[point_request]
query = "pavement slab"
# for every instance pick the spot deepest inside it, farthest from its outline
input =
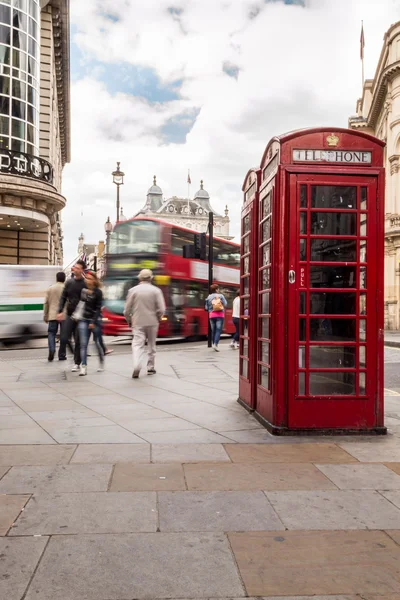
(154, 425)
(141, 566)
(288, 453)
(394, 467)
(10, 507)
(274, 476)
(195, 436)
(109, 434)
(75, 422)
(395, 535)
(341, 509)
(91, 512)
(188, 453)
(25, 435)
(379, 450)
(112, 453)
(216, 511)
(392, 496)
(129, 477)
(128, 412)
(308, 563)
(361, 476)
(3, 470)
(65, 478)
(16, 421)
(18, 560)
(346, 597)
(35, 455)
(32, 406)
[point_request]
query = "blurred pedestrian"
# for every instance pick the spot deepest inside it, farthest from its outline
(70, 298)
(215, 305)
(50, 309)
(236, 320)
(91, 299)
(143, 310)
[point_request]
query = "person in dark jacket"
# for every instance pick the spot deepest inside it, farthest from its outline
(92, 298)
(70, 297)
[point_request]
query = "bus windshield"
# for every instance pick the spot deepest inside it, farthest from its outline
(136, 237)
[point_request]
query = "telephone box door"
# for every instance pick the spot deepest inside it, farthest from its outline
(332, 320)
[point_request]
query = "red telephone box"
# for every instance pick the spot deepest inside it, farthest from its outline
(248, 300)
(318, 294)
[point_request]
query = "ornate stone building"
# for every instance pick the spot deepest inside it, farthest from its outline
(378, 113)
(34, 128)
(192, 214)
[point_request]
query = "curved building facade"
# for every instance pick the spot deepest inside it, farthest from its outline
(19, 56)
(34, 128)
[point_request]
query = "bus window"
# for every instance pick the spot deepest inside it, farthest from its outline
(179, 239)
(177, 294)
(196, 294)
(229, 293)
(137, 237)
(226, 254)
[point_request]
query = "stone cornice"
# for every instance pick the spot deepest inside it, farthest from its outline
(60, 15)
(380, 90)
(14, 185)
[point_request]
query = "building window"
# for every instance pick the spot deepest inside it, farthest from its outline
(19, 52)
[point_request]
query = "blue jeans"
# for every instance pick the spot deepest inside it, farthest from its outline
(217, 324)
(51, 335)
(84, 332)
(236, 322)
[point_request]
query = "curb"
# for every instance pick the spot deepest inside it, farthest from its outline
(390, 344)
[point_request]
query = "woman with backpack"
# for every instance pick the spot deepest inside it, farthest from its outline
(215, 305)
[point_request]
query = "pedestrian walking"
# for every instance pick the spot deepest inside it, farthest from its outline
(143, 310)
(50, 311)
(236, 321)
(215, 305)
(89, 314)
(70, 298)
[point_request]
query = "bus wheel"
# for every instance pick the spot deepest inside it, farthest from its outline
(195, 336)
(25, 335)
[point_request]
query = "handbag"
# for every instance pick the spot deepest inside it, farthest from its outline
(77, 315)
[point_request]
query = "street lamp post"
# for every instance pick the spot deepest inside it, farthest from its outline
(108, 227)
(118, 179)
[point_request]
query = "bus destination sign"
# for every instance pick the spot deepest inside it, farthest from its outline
(333, 156)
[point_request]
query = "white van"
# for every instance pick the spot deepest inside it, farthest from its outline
(22, 292)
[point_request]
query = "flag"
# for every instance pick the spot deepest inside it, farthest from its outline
(188, 179)
(362, 41)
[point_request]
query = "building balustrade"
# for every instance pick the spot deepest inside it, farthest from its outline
(25, 165)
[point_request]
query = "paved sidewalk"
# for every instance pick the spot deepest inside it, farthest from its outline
(164, 487)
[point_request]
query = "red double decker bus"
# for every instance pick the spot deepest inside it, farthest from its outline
(146, 243)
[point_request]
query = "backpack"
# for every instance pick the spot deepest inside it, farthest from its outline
(216, 304)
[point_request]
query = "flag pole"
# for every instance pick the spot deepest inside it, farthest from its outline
(362, 45)
(188, 182)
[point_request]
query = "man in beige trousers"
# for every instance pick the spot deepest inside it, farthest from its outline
(143, 310)
(50, 311)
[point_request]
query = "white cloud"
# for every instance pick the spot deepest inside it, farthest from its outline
(297, 67)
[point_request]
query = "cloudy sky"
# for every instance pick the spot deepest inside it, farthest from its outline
(169, 85)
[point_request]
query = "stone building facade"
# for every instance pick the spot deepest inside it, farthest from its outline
(34, 128)
(185, 212)
(378, 113)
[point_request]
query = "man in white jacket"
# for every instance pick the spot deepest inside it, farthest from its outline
(143, 310)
